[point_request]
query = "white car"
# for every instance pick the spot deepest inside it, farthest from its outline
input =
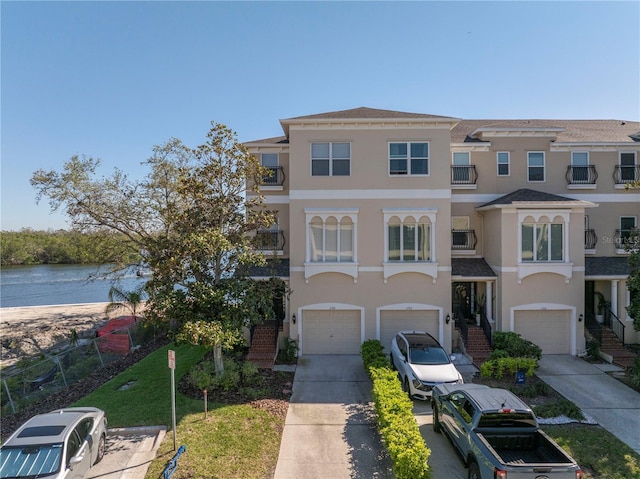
(60, 444)
(422, 363)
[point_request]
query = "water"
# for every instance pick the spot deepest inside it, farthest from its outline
(58, 284)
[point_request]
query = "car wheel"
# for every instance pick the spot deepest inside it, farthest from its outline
(102, 445)
(474, 471)
(436, 421)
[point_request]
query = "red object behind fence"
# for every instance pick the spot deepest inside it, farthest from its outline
(115, 335)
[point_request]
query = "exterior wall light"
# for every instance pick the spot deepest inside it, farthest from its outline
(580, 318)
(293, 318)
(448, 319)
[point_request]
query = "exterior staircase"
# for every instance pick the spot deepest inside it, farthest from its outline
(477, 345)
(611, 346)
(264, 349)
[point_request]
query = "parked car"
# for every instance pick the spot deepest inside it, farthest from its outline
(497, 434)
(60, 444)
(422, 363)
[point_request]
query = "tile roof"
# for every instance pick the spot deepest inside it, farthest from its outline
(606, 266)
(574, 131)
(471, 267)
(367, 113)
(527, 195)
(275, 267)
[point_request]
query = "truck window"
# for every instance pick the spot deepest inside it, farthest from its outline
(512, 419)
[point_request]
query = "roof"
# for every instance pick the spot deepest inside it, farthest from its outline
(471, 267)
(487, 398)
(275, 267)
(367, 113)
(569, 131)
(420, 338)
(525, 195)
(617, 266)
(49, 427)
(276, 140)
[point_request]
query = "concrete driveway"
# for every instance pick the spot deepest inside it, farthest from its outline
(330, 430)
(613, 405)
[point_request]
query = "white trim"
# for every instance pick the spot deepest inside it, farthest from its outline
(327, 307)
(275, 200)
(412, 307)
(387, 194)
(549, 306)
(475, 146)
(593, 145)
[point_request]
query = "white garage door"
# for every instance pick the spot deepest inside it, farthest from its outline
(331, 332)
(393, 321)
(551, 330)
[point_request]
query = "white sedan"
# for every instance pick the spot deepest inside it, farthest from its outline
(422, 363)
(60, 444)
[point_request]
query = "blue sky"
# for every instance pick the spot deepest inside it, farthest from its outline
(112, 79)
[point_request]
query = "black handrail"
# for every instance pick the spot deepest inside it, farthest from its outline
(590, 239)
(581, 175)
(270, 240)
(486, 327)
(276, 178)
(612, 321)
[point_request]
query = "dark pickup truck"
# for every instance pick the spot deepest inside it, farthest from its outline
(497, 434)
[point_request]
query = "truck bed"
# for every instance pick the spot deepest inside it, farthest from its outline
(520, 449)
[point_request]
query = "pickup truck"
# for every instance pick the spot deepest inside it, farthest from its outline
(497, 434)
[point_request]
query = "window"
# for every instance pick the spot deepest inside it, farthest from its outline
(330, 159)
(542, 242)
(627, 230)
(331, 240)
(409, 158)
(579, 167)
(409, 240)
(628, 166)
(535, 165)
(460, 171)
(460, 234)
(270, 160)
(503, 163)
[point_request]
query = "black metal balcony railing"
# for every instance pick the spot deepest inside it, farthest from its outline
(463, 239)
(581, 175)
(276, 178)
(463, 175)
(270, 240)
(590, 239)
(626, 174)
(627, 239)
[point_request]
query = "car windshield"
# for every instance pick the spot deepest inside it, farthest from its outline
(30, 461)
(421, 354)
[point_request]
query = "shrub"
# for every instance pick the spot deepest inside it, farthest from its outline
(398, 428)
(635, 373)
(497, 367)
(562, 407)
(290, 351)
(515, 345)
(203, 376)
(593, 349)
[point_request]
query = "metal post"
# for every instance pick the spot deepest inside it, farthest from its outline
(173, 406)
(13, 408)
(205, 403)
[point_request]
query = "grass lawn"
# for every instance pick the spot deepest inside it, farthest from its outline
(237, 441)
(600, 454)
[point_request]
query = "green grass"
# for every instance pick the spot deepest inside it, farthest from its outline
(600, 454)
(232, 442)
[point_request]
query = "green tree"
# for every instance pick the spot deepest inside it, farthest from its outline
(129, 300)
(633, 281)
(192, 217)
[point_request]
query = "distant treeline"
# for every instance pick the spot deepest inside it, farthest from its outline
(59, 247)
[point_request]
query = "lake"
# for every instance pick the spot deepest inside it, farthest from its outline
(41, 285)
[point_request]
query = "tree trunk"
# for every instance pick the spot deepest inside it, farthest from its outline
(217, 359)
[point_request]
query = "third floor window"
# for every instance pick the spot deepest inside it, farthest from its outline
(535, 166)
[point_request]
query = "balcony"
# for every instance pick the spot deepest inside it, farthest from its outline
(581, 176)
(464, 176)
(463, 240)
(590, 239)
(269, 240)
(626, 239)
(625, 174)
(276, 178)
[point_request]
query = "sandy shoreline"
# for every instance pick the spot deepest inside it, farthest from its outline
(27, 330)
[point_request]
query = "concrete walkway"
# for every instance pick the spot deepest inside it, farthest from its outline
(613, 405)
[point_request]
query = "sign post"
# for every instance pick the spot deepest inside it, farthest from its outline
(172, 366)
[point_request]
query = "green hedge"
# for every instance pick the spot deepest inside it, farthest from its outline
(398, 428)
(497, 367)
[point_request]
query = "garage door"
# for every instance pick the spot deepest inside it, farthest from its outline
(331, 332)
(551, 330)
(393, 321)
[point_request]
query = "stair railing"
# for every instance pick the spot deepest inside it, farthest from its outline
(612, 321)
(486, 327)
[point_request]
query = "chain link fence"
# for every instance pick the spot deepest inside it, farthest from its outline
(26, 386)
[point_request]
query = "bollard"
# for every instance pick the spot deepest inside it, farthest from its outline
(205, 403)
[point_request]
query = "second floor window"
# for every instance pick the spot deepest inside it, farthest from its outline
(331, 239)
(409, 240)
(411, 158)
(503, 163)
(542, 242)
(535, 166)
(330, 159)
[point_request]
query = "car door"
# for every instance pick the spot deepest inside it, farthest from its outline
(403, 350)
(451, 418)
(78, 454)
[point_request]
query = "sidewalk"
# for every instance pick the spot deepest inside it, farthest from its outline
(613, 405)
